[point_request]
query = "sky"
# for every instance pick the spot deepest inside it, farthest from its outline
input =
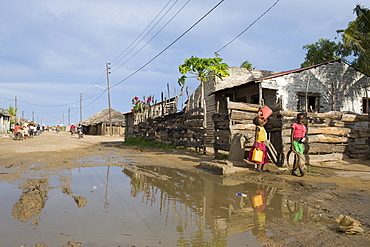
(53, 53)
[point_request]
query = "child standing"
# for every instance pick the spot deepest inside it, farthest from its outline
(260, 138)
(297, 137)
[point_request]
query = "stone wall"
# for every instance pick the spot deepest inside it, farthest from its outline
(331, 135)
(181, 129)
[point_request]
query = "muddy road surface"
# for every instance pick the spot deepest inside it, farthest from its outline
(58, 190)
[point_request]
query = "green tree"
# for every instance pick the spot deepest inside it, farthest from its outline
(13, 112)
(202, 69)
(355, 42)
(356, 37)
(322, 51)
(247, 65)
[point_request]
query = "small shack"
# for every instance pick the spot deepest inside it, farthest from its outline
(4, 121)
(100, 123)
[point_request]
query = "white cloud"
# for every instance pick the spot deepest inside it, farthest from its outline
(51, 51)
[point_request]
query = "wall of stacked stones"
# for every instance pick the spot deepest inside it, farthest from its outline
(238, 120)
(181, 129)
(331, 135)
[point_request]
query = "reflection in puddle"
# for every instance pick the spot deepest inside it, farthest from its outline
(143, 206)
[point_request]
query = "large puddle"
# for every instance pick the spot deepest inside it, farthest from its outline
(133, 205)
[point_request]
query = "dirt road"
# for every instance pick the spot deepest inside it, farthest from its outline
(333, 189)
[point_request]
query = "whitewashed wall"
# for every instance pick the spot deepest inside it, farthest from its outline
(340, 87)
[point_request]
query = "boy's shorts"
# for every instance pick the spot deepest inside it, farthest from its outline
(298, 147)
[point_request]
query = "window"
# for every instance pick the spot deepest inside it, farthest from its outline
(365, 105)
(312, 102)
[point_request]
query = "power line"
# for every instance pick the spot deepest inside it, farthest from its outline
(101, 94)
(47, 105)
(143, 66)
(153, 36)
(143, 32)
(247, 27)
(100, 80)
(173, 42)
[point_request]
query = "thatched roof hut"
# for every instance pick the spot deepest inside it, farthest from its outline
(103, 117)
(99, 124)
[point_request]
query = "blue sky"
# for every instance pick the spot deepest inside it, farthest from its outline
(51, 52)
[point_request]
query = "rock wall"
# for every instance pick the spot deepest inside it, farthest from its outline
(331, 135)
(181, 129)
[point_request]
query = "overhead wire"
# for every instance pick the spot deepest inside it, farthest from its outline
(247, 28)
(154, 35)
(171, 44)
(100, 80)
(147, 63)
(142, 31)
(6, 100)
(101, 94)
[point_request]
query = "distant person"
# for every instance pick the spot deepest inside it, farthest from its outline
(297, 139)
(31, 130)
(26, 130)
(17, 130)
(73, 129)
(80, 131)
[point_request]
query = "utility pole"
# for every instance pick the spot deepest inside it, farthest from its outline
(15, 109)
(69, 116)
(80, 107)
(109, 109)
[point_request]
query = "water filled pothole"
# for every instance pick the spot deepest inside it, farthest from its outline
(122, 205)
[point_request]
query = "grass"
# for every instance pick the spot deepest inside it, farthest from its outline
(140, 142)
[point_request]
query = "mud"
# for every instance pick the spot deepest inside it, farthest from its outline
(328, 189)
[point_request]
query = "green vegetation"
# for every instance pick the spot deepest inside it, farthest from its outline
(140, 142)
(13, 112)
(322, 51)
(202, 68)
(247, 65)
(355, 44)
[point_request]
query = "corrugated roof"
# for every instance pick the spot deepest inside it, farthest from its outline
(280, 74)
(296, 70)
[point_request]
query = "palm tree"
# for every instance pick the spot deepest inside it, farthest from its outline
(247, 65)
(13, 112)
(357, 38)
